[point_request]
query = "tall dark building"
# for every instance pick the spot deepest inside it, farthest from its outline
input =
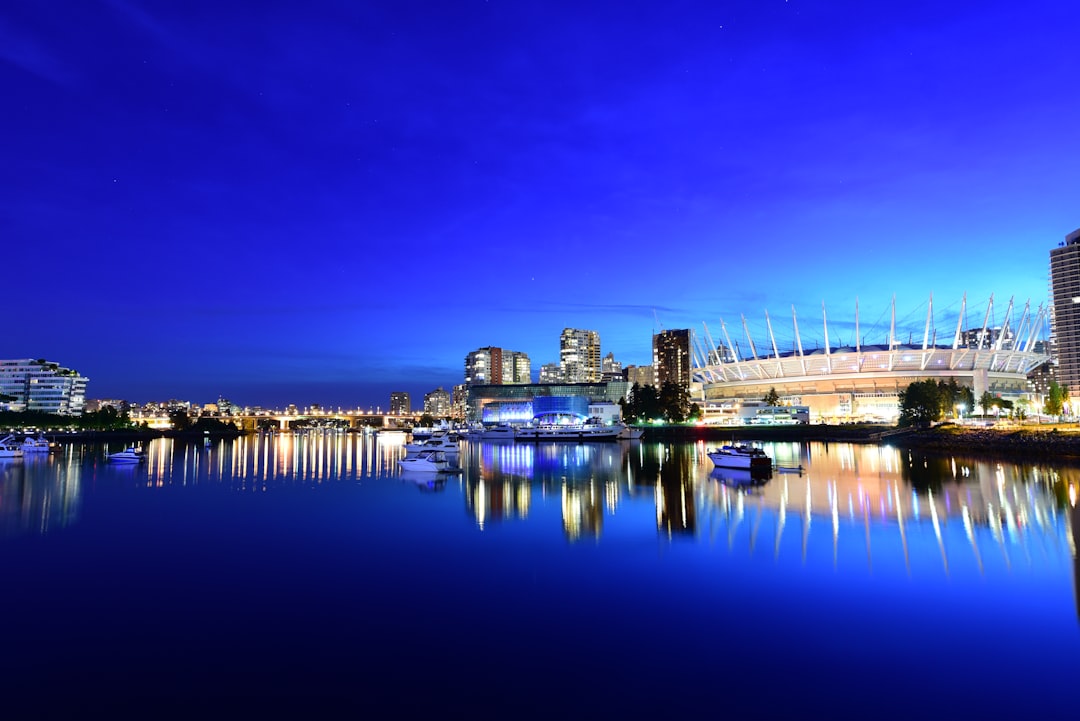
(1065, 320)
(400, 403)
(671, 357)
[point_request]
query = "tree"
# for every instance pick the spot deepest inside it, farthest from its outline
(179, 419)
(920, 403)
(674, 402)
(772, 398)
(986, 400)
(1055, 399)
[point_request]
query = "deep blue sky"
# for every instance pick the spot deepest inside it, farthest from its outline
(326, 201)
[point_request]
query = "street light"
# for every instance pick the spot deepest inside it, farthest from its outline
(960, 410)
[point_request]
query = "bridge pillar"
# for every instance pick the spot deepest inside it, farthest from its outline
(283, 423)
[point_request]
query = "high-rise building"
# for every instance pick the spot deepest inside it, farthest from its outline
(579, 356)
(437, 403)
(495, 366)
(550, 373)
(1065, 313)
(671, 357)
(42, 386)
(400, 403)
(459, 402)
(611, 369)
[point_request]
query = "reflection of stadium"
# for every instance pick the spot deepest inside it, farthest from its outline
(843, 378)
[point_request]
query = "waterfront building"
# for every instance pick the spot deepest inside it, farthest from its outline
(579, 356)
(550, 373)
(41, 386)
(400, 403)
(514, 403)
(495, 366)
(857, 381)
(671, 357)
(437, 403)
(1065, 313)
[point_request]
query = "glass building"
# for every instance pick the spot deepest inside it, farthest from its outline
(516, 403)
(41, 386)
(1065, 318)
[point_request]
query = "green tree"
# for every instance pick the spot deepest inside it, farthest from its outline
(1055, 399)
(629, 405)
(986, 401)
(920, 403)
(772, 398)
(674, 402)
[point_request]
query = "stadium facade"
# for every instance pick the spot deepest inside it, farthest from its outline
(862, 382)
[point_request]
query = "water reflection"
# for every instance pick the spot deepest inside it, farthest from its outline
(873, 499)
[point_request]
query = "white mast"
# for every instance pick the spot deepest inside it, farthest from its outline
(825, 325)
(753, 350)
(798, 340)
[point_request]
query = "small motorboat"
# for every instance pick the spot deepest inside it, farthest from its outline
(429, 461)
(131, 454)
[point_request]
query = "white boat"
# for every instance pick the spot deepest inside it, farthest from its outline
(428, 461)
(9, 448)
(740, 456)
(500, 432)
(131, 454)
(438, 442)
(36, 444)
(588, 431)
(629, 433)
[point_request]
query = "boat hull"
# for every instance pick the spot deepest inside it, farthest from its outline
(748, 459)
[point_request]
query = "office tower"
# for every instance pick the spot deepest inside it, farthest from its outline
(437, 403)
(400, 403)
(1065, 317)
(42, 386)
(642, 375)
(579, 356)
(495, 366)
(671, 357)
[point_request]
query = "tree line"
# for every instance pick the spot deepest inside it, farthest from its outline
(929, 401)
(669, 403)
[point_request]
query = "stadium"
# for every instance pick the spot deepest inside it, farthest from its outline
(856, 381)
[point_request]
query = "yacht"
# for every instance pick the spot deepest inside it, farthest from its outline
(36, 444)
(587, 431)
(437, 442)
(629, 433)
(131, 454)
(501, 432)
(740, 456)
(9, 448)
(428, 461)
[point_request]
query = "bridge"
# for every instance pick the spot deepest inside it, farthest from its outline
(285, 419)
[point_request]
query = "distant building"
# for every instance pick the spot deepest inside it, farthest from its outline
(41, 386)
(459, 402)
(496, 366)
(610, 369)
(550, 373)
(642, 375)
(1065, 312)
(437, 403)
(579, 356)
(671, 357)
(400, 404)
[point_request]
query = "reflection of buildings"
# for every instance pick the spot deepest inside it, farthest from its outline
(39, 494)
(872, 497)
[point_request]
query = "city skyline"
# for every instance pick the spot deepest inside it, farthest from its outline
(331, 204)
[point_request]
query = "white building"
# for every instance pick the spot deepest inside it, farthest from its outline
(41, 386)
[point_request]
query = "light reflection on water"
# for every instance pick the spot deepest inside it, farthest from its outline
(962, 509)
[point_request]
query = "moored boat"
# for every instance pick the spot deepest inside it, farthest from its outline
(588, 431)
(428, 461)
(500, 432)
(9, 448)
(740, 456)
(131, 454)
(36, 444)
(437, 442)
(629, 433)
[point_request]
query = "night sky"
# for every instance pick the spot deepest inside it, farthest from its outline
(322, 202)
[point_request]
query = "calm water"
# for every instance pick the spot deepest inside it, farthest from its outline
(569, 580)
